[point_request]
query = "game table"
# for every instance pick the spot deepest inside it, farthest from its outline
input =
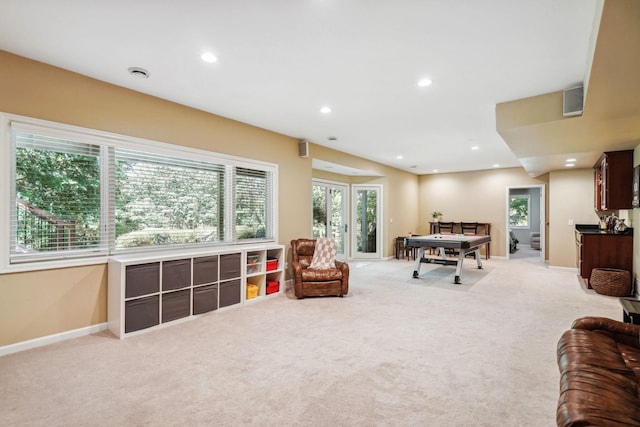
(463, 243)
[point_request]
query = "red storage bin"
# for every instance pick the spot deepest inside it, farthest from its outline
(272, 264)
(272, 286)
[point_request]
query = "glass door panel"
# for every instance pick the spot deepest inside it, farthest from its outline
(330, 213)
(366, 221)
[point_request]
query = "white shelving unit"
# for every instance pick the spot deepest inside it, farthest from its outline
(148, 291)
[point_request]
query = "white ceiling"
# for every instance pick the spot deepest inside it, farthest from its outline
(280, 61)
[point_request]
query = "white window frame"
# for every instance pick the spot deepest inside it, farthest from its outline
(7, 180)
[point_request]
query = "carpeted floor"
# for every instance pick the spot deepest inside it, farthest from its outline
(396, 351)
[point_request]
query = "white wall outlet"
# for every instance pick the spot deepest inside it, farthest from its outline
(570, 222)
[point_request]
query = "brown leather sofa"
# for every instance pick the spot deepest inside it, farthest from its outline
(308, 282)
(599, 362)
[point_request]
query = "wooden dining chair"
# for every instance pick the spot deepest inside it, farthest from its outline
(469, 227)
(445, 227)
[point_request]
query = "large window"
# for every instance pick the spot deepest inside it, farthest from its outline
(76, 193)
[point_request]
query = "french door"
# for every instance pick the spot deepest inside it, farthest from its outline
(367, 224)
(330, 213)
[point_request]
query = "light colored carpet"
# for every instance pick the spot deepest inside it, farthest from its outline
(525, 252)
(396, 351)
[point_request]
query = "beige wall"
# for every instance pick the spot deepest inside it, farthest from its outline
(47, 302)
(570, 198)
(472, 196)
(37, 304)
(41, 303)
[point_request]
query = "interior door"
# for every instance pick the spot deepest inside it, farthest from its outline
(537, 215)
(330, 213)
(367, 230)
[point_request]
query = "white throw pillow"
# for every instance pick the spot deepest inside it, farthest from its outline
(324, 256)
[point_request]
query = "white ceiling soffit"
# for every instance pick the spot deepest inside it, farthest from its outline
(279, 62)
(340, 169)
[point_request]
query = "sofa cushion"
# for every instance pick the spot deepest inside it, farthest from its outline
(324, 256)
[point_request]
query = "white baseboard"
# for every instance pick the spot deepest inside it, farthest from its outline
(50, 339)
(572, 269)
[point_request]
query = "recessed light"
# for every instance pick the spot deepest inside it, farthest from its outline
(569, 165)
(399, 157)
(139, 72)
(571, 160)
(209, 57)
(496, 165)
(325, 110)
(424, 82)
(475, 147)
(435, 170)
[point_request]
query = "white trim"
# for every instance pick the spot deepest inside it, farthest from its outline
(570, 269)
(51, 339)
(109, 139)
(5, 191)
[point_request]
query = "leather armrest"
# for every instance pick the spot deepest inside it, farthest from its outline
(343, 266)
(623, 332)
(297, 271)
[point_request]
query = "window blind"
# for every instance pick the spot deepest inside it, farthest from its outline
(162, 200)
(252, 196)
(57, 198)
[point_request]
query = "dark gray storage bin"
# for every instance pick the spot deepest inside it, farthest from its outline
(142, 279)
(229, 266)
(205, 270)
(176, 305)
(141, 313)
(176, 274)
(205, 298)
(230, 293)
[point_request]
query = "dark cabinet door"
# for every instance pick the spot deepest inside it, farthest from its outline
(614, 181)
(606, 251)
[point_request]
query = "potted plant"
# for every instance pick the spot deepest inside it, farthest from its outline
(436, 215)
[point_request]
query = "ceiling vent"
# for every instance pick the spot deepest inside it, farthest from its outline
(139, 72)
(572, 100)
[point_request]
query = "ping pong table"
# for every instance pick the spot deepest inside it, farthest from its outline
(463, 243)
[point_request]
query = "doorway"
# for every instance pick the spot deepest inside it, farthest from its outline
(525, 214)
(367, 230)
(330, 213)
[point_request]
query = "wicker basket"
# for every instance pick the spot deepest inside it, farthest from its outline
(611, 281)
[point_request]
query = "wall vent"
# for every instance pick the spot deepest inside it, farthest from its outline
(303, 148)
(572, 100)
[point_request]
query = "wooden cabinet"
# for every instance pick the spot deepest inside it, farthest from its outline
(613, 181)
(603, 250)
(147, 291)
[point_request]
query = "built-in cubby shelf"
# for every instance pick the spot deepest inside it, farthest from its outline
(148, 291)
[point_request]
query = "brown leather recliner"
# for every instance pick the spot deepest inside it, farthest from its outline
(310, 282)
